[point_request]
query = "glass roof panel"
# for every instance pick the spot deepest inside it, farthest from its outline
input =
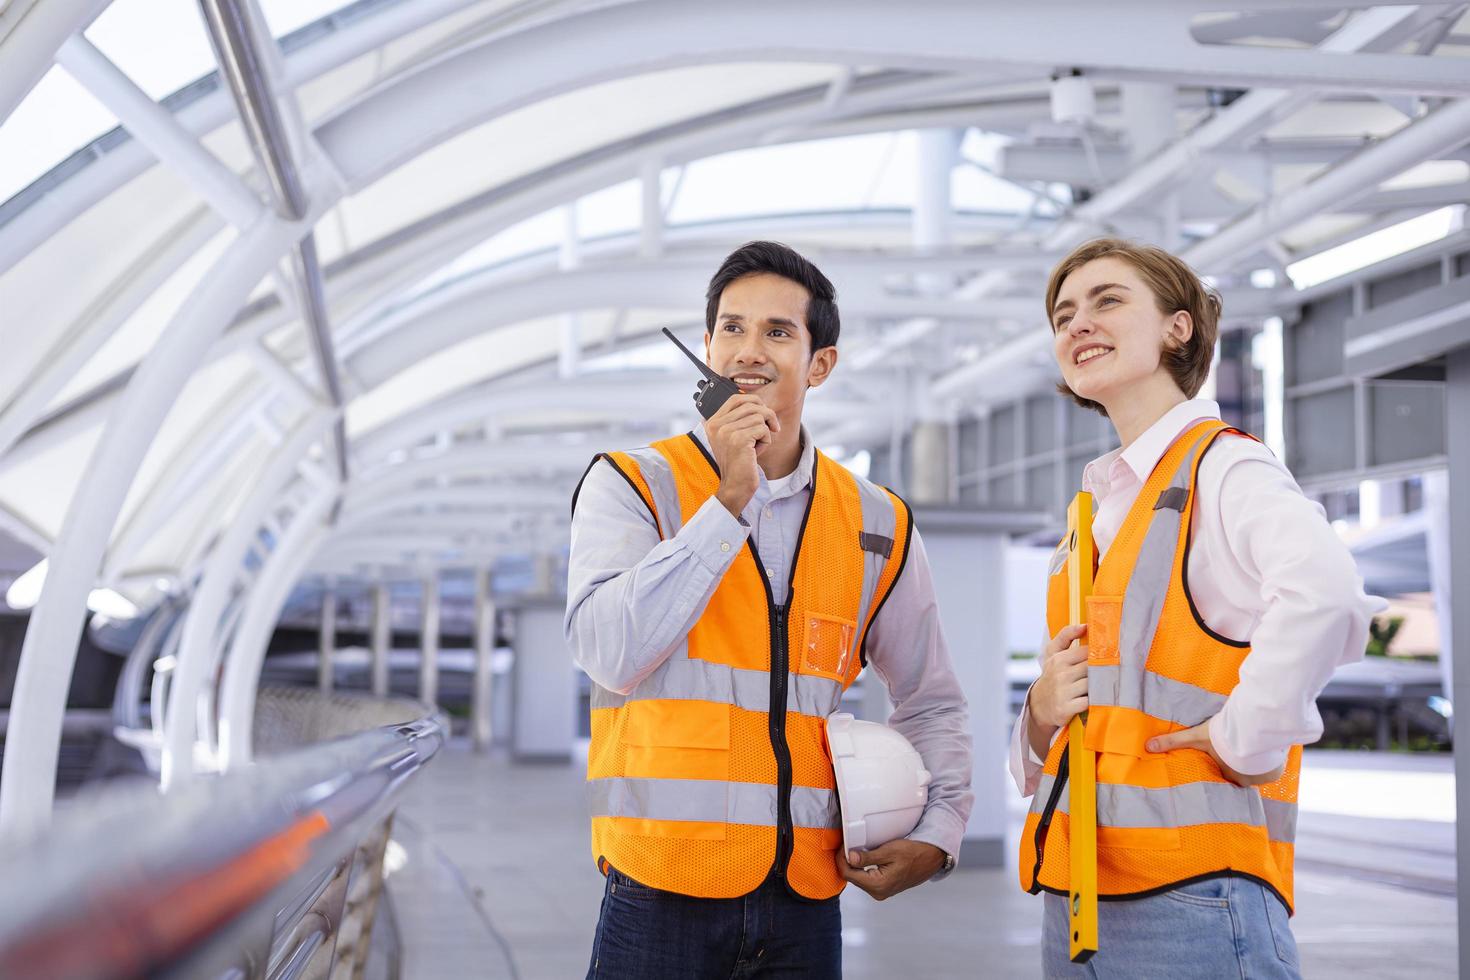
(285, 16)
(529, 139)
(128, 345)
(54, 120)
(874, 170)
(488, 355)
(71, 275)
(195, 417)
(38, 490)
(160, 44)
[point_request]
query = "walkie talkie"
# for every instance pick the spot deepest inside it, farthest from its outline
(714, 390)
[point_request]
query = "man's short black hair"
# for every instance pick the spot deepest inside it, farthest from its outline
(754, 258)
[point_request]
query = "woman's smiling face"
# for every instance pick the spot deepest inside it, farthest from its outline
(1108, 331)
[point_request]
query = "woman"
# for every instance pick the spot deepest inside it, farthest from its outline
(1222, 603)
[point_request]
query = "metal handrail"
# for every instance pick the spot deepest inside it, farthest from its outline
(192, 883)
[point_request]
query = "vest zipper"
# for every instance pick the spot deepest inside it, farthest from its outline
(780, 657)
(1045, 822)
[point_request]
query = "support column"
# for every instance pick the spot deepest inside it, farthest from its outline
(480, 728)
(545, 707)
(929, 463)
(651, 229)
(429, 641)
(1148, 116)
(327, 647)
(382, 639)
(1457, 645)
(966, 549)
(569, 354)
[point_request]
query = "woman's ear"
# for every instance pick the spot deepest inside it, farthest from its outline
(821, 367)
(1181, 328)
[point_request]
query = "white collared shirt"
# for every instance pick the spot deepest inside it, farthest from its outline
(1265, 567)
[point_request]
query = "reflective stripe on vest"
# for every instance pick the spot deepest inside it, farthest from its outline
(1155, 667)
(710, 800)
(1186, 805)
(683, 775)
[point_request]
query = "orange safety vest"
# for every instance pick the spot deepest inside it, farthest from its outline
(1154, 667)
(714, 772)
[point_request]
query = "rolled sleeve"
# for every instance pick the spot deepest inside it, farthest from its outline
(1025, 765)
(1314, 616)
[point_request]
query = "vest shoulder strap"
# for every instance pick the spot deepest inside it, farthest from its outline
(897, 560)
(626, 467)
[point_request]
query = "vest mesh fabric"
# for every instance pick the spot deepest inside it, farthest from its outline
(656, 738)
(1186, 840)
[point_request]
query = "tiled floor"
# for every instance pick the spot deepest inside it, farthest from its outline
(1374, 893)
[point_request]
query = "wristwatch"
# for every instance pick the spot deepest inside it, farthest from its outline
(948, 863)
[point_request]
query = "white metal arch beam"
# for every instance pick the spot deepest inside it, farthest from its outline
(28, 50)
(221, 571)
(456, 313)
(405, 118)
(650, 396)
(30, 33)
(461, 529)
(450, 499)
(27, 782)
(262, 611)
(502, 462)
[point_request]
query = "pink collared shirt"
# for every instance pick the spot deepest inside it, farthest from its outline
(1264, 567)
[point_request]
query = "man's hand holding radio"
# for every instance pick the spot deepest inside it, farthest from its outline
(737, 434)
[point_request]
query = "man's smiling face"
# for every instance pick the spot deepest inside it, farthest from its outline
(761, 342)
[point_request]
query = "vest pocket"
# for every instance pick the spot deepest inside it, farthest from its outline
(1104, 616)
(668, 739)
(826, 646)
(1136, 809)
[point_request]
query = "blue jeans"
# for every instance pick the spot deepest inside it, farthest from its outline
(1219, 927)
(647, 934)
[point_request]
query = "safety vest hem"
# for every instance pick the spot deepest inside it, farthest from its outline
(1037, 888)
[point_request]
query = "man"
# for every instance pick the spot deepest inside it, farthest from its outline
(724, 588)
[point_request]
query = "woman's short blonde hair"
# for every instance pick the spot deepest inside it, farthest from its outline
(1175, 287)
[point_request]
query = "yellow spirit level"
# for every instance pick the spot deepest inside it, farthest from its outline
(1081, 763)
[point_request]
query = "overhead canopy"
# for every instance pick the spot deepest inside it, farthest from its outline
(509, 199)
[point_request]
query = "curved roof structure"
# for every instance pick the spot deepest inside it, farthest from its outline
(365, 300)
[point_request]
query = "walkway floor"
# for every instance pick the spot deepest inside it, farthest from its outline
(1375, 890)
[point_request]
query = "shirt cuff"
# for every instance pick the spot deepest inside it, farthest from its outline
(1023, 725)
(714, 536)
(1247, 765)
(940, 828)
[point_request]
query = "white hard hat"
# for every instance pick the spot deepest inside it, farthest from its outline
(882, 785)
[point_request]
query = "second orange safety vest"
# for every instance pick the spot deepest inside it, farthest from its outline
(1154, 667)
(713, 772)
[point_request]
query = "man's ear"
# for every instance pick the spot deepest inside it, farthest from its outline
(707, 334)
(824, 362)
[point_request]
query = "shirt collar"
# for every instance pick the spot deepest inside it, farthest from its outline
(1146, 451)
(801, 477)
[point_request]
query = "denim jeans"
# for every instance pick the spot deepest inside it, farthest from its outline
(1219, 927)
(647, 934)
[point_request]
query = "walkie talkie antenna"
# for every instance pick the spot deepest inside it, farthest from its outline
(703, 367)
(714, 390)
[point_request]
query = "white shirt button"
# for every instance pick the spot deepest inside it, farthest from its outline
(724, 546)
(767, 512)
(769, 572)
